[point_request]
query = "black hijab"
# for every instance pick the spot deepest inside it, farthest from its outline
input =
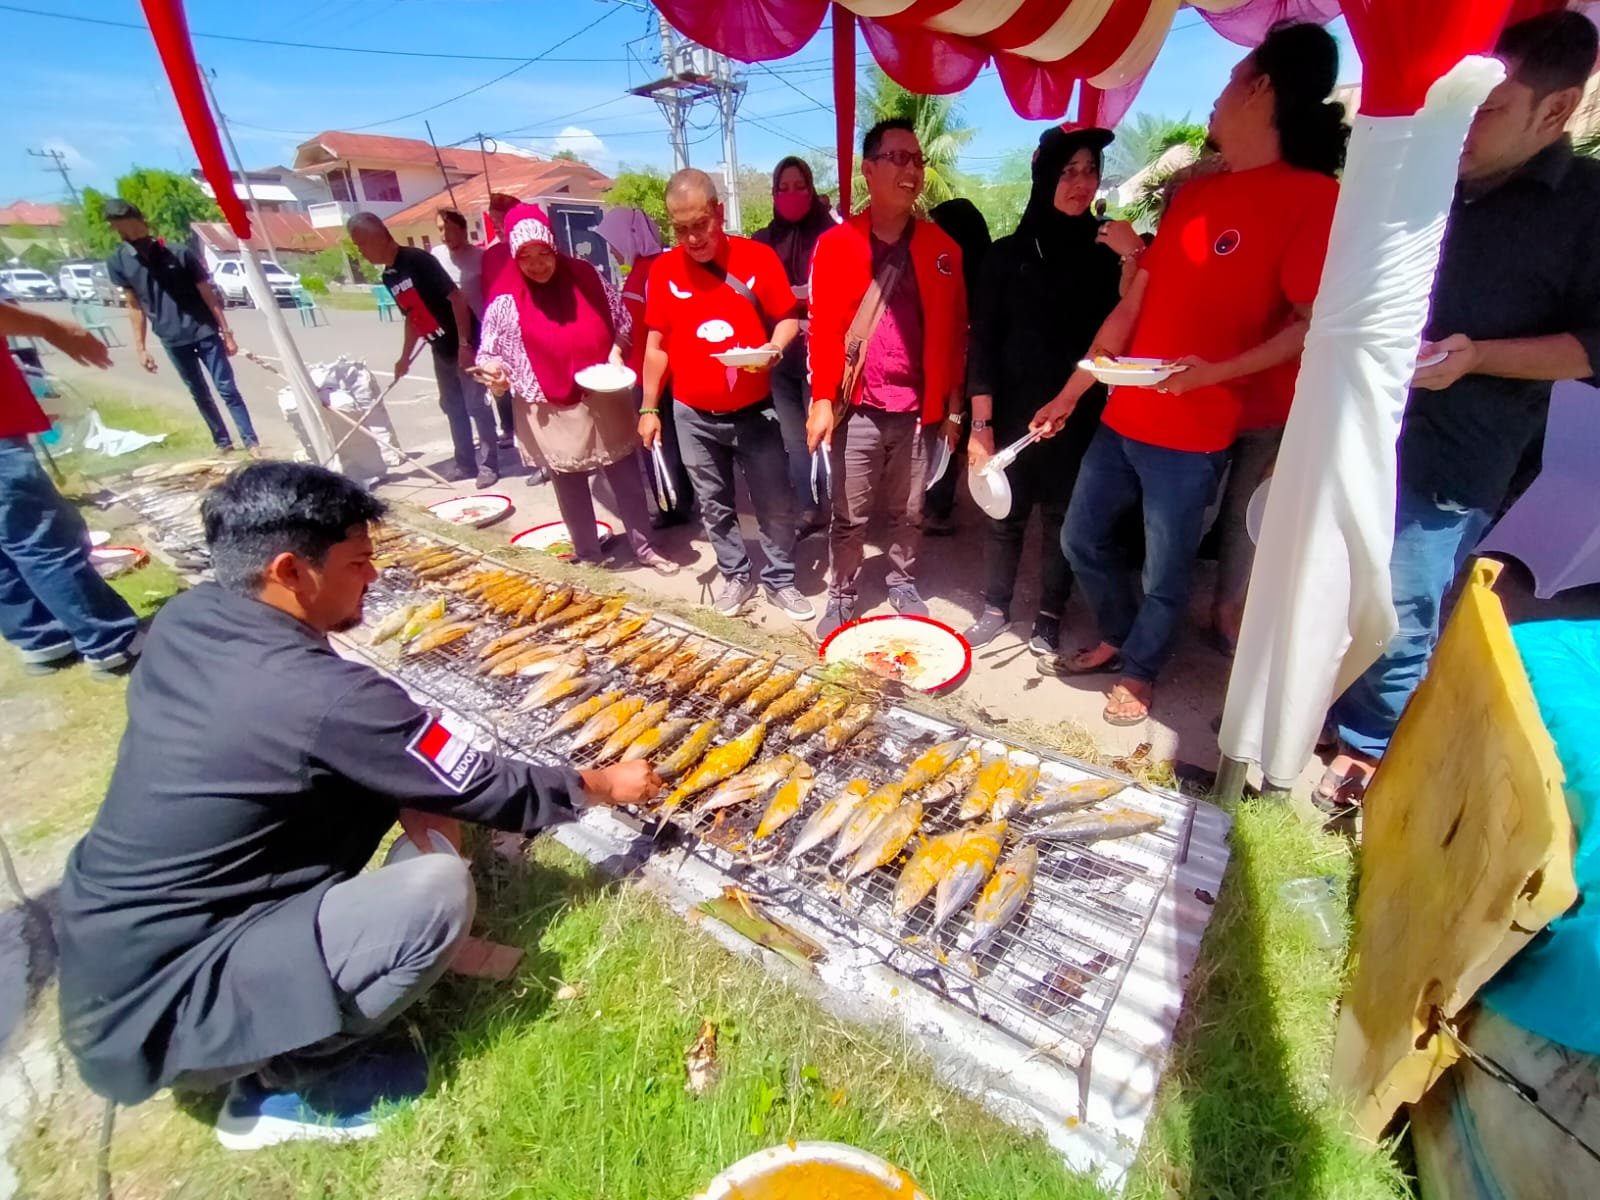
(1054, 234)
(961, 219)
(793, 241)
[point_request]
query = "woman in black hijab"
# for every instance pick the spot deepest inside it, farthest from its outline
(1044, 292)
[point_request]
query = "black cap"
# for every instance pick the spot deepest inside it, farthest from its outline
(118, 209)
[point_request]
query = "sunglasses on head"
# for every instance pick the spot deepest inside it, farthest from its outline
(901, 158)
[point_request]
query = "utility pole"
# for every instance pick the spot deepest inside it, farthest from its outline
(729, 92)
(60, 162)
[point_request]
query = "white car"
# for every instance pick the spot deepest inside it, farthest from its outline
(89, 281)
(27, 284)
(230, 279)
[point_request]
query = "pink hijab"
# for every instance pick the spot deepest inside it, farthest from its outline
(565, 322)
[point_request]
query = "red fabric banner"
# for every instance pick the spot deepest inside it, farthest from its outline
(749, 30)
(844, 101)
(920, 60)
(1036, 90)
(1406, 45)
(170, 28)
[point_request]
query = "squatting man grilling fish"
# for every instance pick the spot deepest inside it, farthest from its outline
(216, 925)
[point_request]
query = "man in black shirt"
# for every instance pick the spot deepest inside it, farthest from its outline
(436, 310)
(168, 289)
(216, 923)
(1516, 306)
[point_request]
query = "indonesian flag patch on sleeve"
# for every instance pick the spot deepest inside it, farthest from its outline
(447, 753)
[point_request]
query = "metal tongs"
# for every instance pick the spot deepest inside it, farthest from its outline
(666, 493)
(821, 471)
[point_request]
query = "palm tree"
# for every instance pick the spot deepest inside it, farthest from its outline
(1143, 139)
(939, 125)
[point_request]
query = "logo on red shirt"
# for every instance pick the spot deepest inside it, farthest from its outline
(409, 301)
(1227, 242)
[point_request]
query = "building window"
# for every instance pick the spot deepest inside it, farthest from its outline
(339, 185)
(382, 186)
(427, 244)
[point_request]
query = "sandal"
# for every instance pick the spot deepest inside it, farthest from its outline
(1341, 792)
(1061, 666)
(1122, 695)
(657, 562)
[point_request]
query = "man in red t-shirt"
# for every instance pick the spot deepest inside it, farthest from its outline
(53, 604)
(710, 294)
(1225, 290)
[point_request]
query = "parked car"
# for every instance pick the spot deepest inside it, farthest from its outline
(230, 279)
(89, 281)
(27, 284)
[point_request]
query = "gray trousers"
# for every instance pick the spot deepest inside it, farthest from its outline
(577, 507)
(386, 936)
(1252, 453)
(465, 404)
(876, 453)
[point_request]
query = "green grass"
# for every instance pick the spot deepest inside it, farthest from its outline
(357, 301)
(186, 436)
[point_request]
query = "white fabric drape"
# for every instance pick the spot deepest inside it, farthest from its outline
(1136, 59)
(1319, 610)
(974, 18)
(1077, 21)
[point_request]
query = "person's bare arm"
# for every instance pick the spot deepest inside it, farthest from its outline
(139, 325)
(1555, 357)
(213, 299)
(1115, 332)
(655, 373)
(1283, 346)
(67, 337)
(466, 354)
(408, 346)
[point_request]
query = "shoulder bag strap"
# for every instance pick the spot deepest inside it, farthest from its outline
(862, 327)
(743, 289)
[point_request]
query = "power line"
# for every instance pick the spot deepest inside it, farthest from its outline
(59, 162)
(806, 96)
(256, 41)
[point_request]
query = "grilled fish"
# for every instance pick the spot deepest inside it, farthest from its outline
(831, 817)
(423, 619)
(668, 668)
(689, 677)
(1014, 792)
(615, 635)
(579, 630)
(740, 686)
(634, 649)
(932, 763)
(553, 603)
(659, 653)
(452, 566)
(751, 783)
(980, 797)
(861, 823)
(579, 713)
(817, 717)
(921, 874)
(570, 614)
(974, 860)
(666, 735)
(786, 804)
(854, 720)
(543, 666)
(504, 642)
(546, 691)
(606, 722)
(513, 659)
(440, 636)
(957, 781)
(1082, 828)
(887, 839)
(1074, 796)
(726, 760)
(647, 717)
(393, 624)
(1003, 896)
(733, 665)
(769, 690)
(790, 703)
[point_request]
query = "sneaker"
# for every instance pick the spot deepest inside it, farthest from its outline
(113, 667)
(50, 667)
(841, 610)
(345, 1106)
(1046, 636)
(906, 601)
(733, 595)
(488, 477)
(792, 602)
(986, 628)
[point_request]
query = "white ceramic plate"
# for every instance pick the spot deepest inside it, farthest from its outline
(606, 377)
(1130, 372)
(484, 508)
(1432, 360)
(1256, 510)
(553, 538)
(112, 561)
(990, 491)
(917, 651)
(770, 1165)
(98, 537)
(744, 356)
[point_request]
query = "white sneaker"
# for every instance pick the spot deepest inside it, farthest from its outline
(792, 602)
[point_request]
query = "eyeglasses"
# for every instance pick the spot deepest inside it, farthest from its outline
(901, 158)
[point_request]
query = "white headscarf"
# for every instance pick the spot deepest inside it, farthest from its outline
(630, 232)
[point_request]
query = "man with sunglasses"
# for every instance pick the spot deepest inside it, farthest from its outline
(887, 355)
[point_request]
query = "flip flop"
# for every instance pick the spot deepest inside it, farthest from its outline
(1061, 667)
(1338, 794)
(1122, 721)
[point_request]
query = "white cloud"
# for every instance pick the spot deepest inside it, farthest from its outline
(585, 143)
(70, 155)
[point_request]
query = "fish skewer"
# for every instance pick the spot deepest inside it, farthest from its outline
(726, 760)
(647, 717)
(957, 781)
(980, 798)
(548, 689)
(606, 722)
(769, 690)
(838, 733)
(653, 657)
(1073, 796)
(440, 636)
(579, 713)
(513, 659)
(633, 649)
(664, 737)
(730, 667)
(740, 686)
(687, 754)
(1014, 792)
(615, 635)
(391, 625)
(547, 664)
(751, 783)
(790, 703)
(504, 642)
(923, 871)
(829, 706)
(680, 682)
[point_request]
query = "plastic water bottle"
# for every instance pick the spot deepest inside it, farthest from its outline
(1315, 900)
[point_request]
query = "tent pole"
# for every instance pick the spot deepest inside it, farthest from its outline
(844, 100)
(1229, 787)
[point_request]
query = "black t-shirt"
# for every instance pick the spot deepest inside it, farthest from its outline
(1521, 261)
(166, 281)
(421, 287)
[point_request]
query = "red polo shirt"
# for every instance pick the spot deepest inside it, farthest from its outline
(20, 413)
(698, 315)
(1235, 254)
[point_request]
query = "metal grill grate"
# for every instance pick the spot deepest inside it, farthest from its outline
(1051, 975)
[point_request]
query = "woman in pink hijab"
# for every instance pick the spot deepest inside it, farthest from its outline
(553, 317)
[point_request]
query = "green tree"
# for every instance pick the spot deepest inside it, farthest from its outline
(567, 155)
(42, 258)
(755, 199)
(938, 122)
(171, 203)
(1144, 138)
(1002, 197)
(86, 228)
(644, 188)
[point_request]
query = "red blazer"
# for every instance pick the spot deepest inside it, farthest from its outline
(841, 272)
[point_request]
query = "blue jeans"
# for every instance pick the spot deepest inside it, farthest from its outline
(712, 443)
(1175, 487)
(52, 601)
(192, 361)
(1430, 544)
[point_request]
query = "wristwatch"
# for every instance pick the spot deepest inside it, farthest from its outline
(979, 424)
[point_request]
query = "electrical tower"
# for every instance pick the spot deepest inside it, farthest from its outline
(60, 161)
(692, 73)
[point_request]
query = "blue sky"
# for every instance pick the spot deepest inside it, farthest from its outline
(98, 95)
